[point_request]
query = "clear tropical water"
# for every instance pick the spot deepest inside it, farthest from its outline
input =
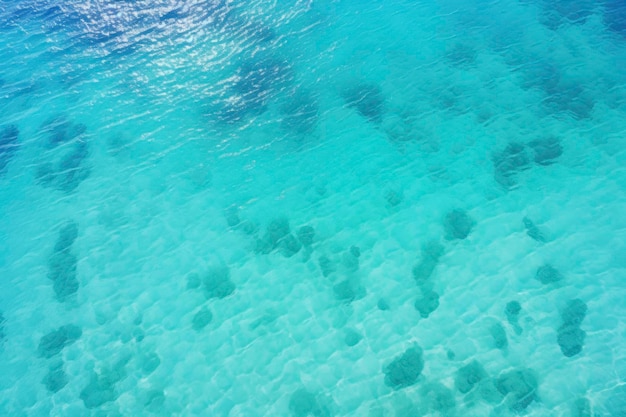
(313, 208)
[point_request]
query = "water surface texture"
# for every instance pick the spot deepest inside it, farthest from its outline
(313, 208)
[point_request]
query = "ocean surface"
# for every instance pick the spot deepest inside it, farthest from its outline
(313, 208)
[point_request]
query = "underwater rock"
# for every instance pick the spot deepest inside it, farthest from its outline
(54, 342)
(427, 303)
(61, 130)
(468, 376)
(351, 258)
(62, 263)
(345, 291)
(70, 170)
(326, 265)
(546, 150)
(248, 227)
(499, 336)
(263, 246)
(574, 312)
(547, 274)
(458, 224)
(45, 174)
(520, 386)
(232, 216)
(512, 310)
(509, 162)
(236, 110)
(383, 305)
(8, 144)
(398, 128)
(393, 198)
(289, 246)
(488, 391)
(461, 55)
(302, 403)
(541, 73)
(570, 337)
(62, 272)
(300, 113)
(367, 99)
(67, 236)
(571, 340)
(532, 230)
(306, 234)
(55, 379)
(201, 319)
(257, 81)
(262, 75)
(571, 99)
(276, 230)
(352, 337)
(217, 283)
(405, 369)
(98, 392)
(441, 399)
(149, 362)
(431, 253)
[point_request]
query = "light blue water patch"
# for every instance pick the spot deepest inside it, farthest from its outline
(319, 208)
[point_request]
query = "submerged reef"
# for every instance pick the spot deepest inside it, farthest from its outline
(367, 99)
(8, 145)
(510, 162)
(300, 112)
(570, 337)
(404, 370)
(458, 224)
(62, 263)
(54, 342)
(216, 282)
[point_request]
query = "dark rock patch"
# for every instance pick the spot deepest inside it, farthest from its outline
(54, 342)
(546, 150)
(306, 234)
(533, 231)
(520, 388)
(300, 113)
(427, 303)
(509, 162)
(367, 99)
(217, 283)
(289, 245)
(468, 376)
(55, 379)
(458, 224)
(405, 369)
(201, 319)
(498, 333)
(547, 274)
(9, 144)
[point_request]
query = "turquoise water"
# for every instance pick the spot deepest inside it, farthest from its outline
(313, 208)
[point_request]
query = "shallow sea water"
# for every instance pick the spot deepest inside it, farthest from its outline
(313, 208)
